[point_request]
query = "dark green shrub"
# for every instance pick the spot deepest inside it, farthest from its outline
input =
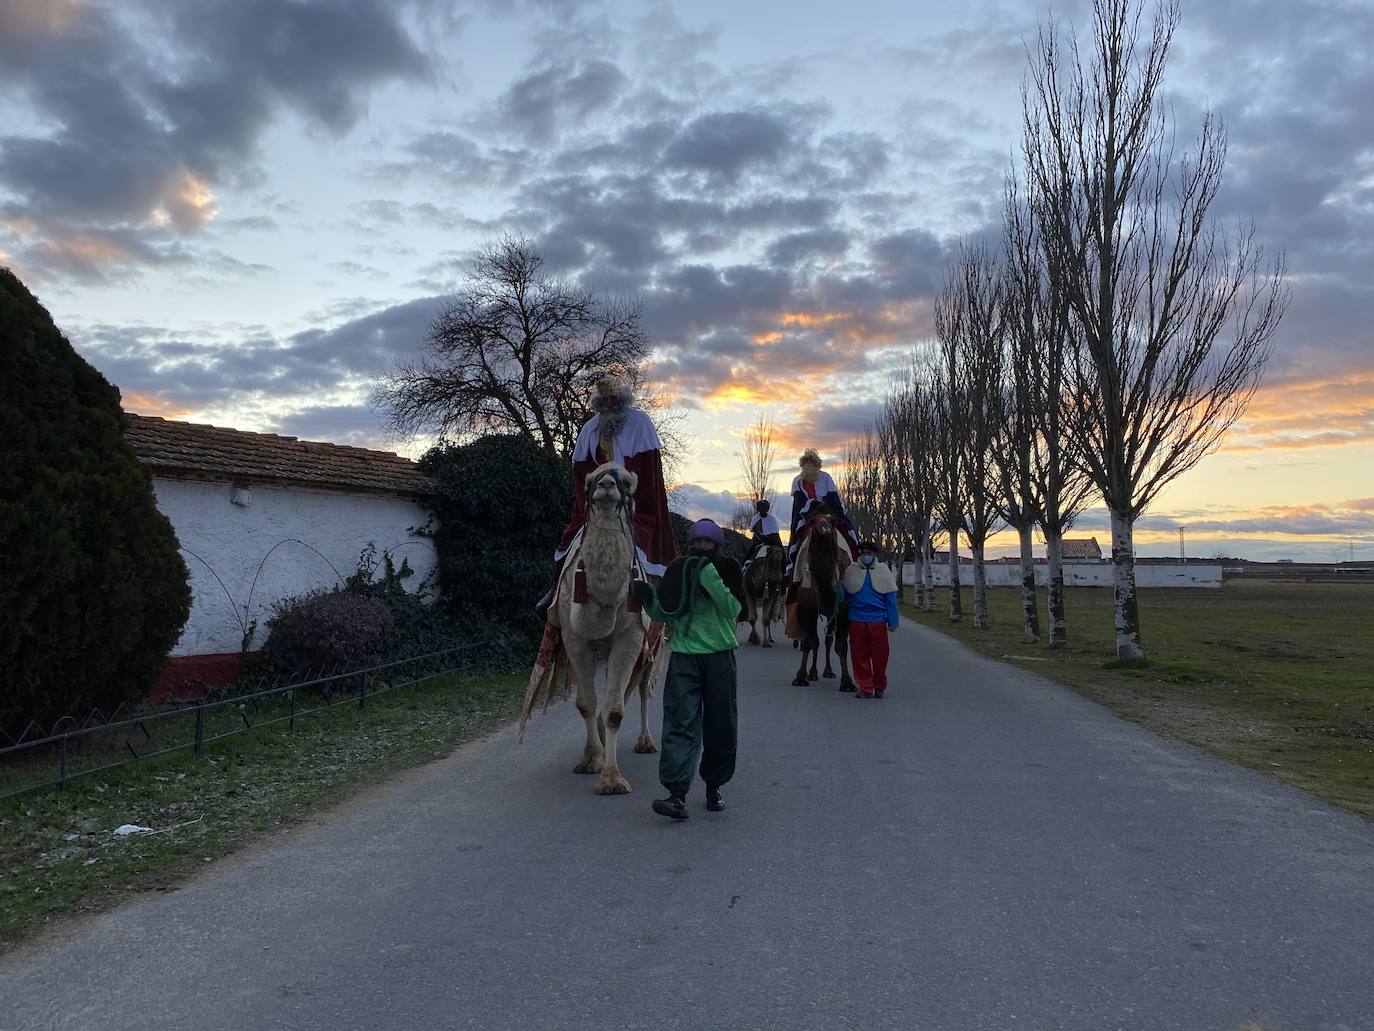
(94, 594)
(328, 632)
(502, 504)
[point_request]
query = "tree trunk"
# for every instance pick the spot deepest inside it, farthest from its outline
(956, 605)
(928, 576)
(1123, 582)
(980, 588)
(1030, 610)
(1054, 579)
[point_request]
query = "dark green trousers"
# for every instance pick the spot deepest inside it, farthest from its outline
(699, 715)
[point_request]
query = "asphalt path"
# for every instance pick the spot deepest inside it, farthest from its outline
(981, 849)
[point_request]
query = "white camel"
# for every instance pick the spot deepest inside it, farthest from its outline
(594, 613)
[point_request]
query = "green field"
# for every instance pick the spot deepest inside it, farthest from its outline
(1275, 676)
(58, 852)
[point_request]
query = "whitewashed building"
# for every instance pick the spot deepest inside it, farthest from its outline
(262, 517)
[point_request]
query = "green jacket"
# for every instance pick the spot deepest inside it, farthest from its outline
(709, 625)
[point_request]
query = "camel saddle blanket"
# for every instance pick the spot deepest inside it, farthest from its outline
(573, 567)
(883, 580)
(801, 571)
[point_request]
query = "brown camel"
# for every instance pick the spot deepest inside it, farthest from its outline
(821, 560)
(763, 590)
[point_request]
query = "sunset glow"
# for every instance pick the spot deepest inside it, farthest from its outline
(782, 188)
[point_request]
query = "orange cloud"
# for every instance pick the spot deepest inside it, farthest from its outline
(39, 17)
(1313, 414)
(151, 404)
(188, 202)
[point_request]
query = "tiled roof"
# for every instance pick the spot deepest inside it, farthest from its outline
(1081, 547)
(192, 450)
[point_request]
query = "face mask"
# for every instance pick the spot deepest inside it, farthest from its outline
(867, 560)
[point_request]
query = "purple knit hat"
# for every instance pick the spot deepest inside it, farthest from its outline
(706, 529)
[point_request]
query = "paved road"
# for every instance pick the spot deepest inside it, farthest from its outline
(979, 850)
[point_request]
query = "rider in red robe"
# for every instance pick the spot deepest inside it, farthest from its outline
(625, 435)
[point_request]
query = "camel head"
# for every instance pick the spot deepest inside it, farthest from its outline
(823, 524)
(610, 486)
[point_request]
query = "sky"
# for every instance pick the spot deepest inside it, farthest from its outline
(244, 212)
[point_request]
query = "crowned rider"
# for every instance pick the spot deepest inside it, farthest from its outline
(623, 434)
(813, 489)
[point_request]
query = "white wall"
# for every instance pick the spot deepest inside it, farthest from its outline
(1085, 574)
(234, 540)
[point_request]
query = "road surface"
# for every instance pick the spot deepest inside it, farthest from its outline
(981, 849)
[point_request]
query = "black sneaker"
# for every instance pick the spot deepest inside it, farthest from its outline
(674, 807)
(714, 802)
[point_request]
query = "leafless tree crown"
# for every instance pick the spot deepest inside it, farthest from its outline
(514, 351)
(1175, 316)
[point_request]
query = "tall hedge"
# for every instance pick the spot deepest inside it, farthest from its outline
(503, 503)
(93, 594)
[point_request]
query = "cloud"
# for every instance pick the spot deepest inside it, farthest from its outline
(139, 146)
(257, 371)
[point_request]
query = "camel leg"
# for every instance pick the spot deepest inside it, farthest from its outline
(582, 662)
(801, 680)
(829, 643)
(618, 669)
(653, 670)
(645, 745)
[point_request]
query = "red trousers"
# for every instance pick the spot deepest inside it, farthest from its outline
(868, 648)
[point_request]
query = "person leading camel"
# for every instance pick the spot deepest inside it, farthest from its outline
(871, 593)
(622, 434)
(700, 595)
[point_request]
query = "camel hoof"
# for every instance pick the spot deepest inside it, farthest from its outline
(612, 783)
(768, 644)
(800, 681)
(645, 745)
(753, 638)
(589, 766)
(829, 675)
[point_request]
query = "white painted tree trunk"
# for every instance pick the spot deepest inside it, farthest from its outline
(956, 604)
(1054, 579)
(1123, 583)
(1030, 610)
(980, 588)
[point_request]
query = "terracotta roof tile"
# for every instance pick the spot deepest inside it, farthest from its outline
(202, 452)
(1081, 547)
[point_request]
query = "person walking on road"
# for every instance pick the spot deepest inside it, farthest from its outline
(871, 593)
(700, 595)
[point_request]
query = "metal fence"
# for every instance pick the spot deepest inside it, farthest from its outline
(97, 746)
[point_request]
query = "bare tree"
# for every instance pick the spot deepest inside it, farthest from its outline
(1040, 465)
(970, 327)
(757, 456)
(947, 425)
(1174, 318)
(513, 351)
(741, 516)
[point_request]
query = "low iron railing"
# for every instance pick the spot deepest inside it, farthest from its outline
(61, 757)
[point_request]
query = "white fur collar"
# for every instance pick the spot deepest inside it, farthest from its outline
(883, 580)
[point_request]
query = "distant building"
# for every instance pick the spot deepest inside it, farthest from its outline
(1082, 549)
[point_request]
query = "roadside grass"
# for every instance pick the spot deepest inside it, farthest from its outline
(1278, 677)
(58, 852)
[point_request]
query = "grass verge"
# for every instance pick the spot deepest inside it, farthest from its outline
(1276, 677)
(58, 852)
